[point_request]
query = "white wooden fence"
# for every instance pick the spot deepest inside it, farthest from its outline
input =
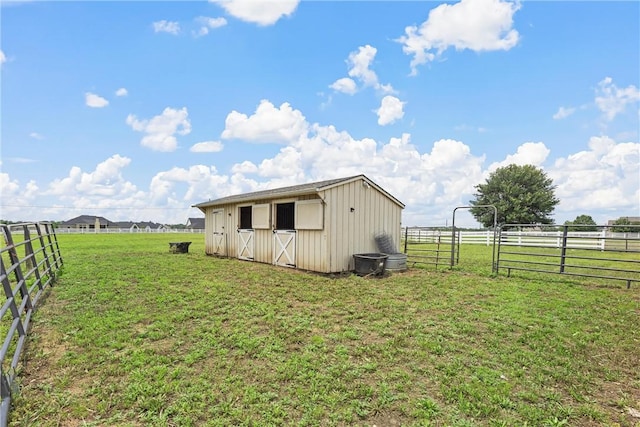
(114, 230)
(575, 239)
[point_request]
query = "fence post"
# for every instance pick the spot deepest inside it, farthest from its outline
(406, 238)
(564, 248)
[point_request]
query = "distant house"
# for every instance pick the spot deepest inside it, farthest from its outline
(195, 224)
(631, 219)
(317, 226)
(90, 223)
(130, 226)
(87, 223)
(152, 226)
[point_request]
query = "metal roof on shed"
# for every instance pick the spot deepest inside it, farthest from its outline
(294, 190)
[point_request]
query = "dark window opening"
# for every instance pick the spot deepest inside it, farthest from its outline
(285, 216)
(245, 217)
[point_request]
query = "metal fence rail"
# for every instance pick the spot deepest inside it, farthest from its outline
(428, 246)
(605, 254)
(584, 239)
(29, 263)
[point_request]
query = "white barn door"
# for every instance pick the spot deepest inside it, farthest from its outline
(245, 244)
(284, 248)
(219, 239)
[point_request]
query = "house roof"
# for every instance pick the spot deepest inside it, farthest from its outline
(195, 222)
(125, 224)
(91, 221)
(150, 224)
(294, 190)
(88, 220)
(631, 219)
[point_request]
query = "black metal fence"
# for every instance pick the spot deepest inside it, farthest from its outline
(29, 263)
(610, 253)
(430, 246)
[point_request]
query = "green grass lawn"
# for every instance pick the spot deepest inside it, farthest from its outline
(133, 335)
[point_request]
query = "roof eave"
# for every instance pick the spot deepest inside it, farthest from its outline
(250, 198)
(364, 178)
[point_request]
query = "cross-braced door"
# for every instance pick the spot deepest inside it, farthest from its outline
(245, 244)
(284, 248)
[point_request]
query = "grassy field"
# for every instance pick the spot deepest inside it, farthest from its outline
(133, 335)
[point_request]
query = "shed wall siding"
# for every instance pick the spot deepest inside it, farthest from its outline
(311, 250)
(208, 233)
(350, 232)
(263, 246)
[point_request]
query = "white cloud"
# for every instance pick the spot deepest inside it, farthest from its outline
(207, 147)
(207, 24)
(469, 128)
(529, 153)
(165, 26)
(3, 58)
(212, 22)
(122, 92)
(162, 128)
(267, 124)
(604, 177)
(563, 113)
(36, 135)
(261, 12)
(244, 167)
(391, 110)
(477, 25)
(197, 180)
(285, 167)
(612, 100)
(105, 181)
(18, 196)
(20, 160)
(95, 101)
(344, 85)
(360, 63)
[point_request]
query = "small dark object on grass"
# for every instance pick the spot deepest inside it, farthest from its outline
(370, 264)
(179, 247)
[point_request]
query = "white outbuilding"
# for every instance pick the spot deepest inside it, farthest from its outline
(317, 226)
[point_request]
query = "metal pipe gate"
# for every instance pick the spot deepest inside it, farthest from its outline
(29, 263)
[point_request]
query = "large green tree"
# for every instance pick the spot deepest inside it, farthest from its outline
(521, 194)
(585, 223)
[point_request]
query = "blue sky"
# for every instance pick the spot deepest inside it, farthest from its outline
(138, 110)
